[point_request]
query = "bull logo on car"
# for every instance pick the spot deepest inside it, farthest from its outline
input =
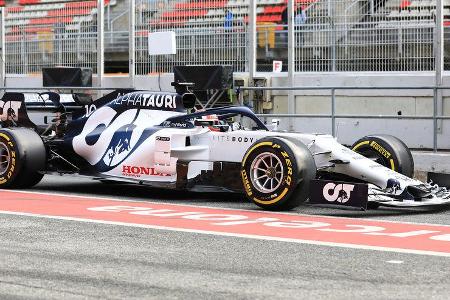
(119, 145)
(108, 137)
(393, 186)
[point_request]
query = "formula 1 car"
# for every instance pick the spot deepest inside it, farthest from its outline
(151, 138)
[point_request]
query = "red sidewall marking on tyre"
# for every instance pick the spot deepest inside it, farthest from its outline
(330, 231)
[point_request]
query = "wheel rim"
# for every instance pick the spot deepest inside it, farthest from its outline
(266, 172)
(5, 158)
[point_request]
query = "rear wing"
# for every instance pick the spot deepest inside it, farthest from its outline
(15, 108)
(13, 111)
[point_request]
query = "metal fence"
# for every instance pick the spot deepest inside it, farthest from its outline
(355, 35)
(49, 35)
(2, 48)
(366, 35)
(206, 33)
(330, 35)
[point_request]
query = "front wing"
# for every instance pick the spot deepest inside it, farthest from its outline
(439, 196)
(363, 195)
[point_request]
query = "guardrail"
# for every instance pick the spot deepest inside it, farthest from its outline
(333, 116)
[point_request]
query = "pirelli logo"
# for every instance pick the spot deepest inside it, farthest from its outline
(380, 149)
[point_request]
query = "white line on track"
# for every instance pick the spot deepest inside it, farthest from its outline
(212, 207)
(248, 236)
(397, 262)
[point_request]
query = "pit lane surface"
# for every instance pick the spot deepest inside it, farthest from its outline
(48, 258)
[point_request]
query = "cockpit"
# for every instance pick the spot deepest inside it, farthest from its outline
(218, 119)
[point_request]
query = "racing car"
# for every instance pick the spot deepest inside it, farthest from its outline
(159, 139)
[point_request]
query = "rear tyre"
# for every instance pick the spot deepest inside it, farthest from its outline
(276, 173)
(22, 157)
(388, 151)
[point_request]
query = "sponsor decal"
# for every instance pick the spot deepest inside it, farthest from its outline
(232, 139)
(108, 138)
(376, 165)
(5, 137)
(147, 100)
(393, 186)
(380, 149)
(339, 193)
(10, 171)
(177, 124)
(247, 186)
(120, 144)
(133, 171)
(359, 157)
(401, 177)
(41, 98)
(289, 167)
(163, 139)
(10, 110)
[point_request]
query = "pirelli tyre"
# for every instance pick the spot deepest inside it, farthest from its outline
(22, 156)
(388, 151)
(276, 173)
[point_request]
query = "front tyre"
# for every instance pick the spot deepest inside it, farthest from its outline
(22, 157)
(388, 151)
(276, 173)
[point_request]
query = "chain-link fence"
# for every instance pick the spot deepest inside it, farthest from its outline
(49, 35)
(207, 33)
